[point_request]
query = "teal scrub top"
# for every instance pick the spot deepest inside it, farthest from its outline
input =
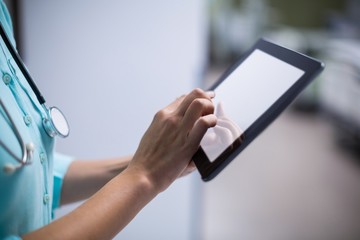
(29, 195)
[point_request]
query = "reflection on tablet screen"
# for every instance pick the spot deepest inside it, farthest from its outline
(246, 94)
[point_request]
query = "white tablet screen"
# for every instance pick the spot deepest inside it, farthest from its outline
(244, 96)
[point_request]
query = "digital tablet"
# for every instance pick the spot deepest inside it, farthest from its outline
(248, 97)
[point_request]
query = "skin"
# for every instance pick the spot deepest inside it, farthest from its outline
(120, 188)
(85, 178)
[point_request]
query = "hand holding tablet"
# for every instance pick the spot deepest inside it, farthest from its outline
(249, 96)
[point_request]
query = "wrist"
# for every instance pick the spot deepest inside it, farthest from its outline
(144, 181)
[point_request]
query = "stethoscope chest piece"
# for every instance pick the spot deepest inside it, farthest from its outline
(56, 124)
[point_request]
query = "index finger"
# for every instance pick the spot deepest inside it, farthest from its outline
(196, 93)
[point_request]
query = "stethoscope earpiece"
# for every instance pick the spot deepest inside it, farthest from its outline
(10, 168)
(30, 147)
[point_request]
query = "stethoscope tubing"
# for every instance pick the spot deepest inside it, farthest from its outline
(24, 160)
(21, 65)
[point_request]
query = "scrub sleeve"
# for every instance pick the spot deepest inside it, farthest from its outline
(61, 165)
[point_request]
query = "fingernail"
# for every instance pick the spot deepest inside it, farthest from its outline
(211, 94)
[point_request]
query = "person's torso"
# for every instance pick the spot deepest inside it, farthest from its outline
(25, 194)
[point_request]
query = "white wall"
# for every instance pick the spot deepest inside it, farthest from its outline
(110, 65)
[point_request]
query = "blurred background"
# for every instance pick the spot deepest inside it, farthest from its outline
(110, 65)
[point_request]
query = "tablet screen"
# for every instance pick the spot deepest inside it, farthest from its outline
(244, 96)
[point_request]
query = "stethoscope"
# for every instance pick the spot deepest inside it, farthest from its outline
(54, 121)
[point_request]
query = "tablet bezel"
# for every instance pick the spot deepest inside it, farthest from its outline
(311, 67)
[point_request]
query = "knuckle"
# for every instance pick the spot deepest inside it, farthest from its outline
(203, 105)
(209, 120)
(166, 119)
(198, 92)
(171, 122)
(198, 103)
(160, 115)
(203, 123)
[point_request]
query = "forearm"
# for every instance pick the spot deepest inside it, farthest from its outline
(106, 213)
(84, 178)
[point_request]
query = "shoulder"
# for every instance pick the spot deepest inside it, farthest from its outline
(6, 22)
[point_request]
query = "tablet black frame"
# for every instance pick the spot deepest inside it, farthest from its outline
(311, 67)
